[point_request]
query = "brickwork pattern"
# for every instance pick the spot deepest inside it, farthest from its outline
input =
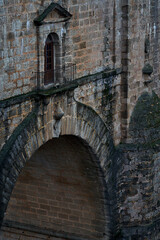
(137, 178)
(143, 24)
(83, 41)
(100, 35)
(11, 116)
(14, 234)
(60, 189)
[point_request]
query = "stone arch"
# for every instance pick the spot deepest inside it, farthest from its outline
(88, 125)
(60, 190)
(28, 137)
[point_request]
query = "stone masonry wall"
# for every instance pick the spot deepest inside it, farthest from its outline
(138, 192)
(11, 115)
(100, 96)
(136, 50)
(94, 91)
(108, 35)
(138, 178)
(93, 39)
(18, 47)
(84, 41)
(79, 119)
(143, 50)
(10, 234)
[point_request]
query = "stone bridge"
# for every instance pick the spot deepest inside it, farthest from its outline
(79, 120)
(61, 175)
(68, 125)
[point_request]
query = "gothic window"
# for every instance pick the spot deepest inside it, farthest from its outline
(51, 55)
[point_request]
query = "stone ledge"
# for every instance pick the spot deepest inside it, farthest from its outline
(63, 88)
(38, 230)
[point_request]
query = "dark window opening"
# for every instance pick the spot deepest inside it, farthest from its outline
(52, 64)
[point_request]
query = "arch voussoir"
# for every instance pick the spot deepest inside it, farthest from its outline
(87, 125)
(13, 156)
(33, 133)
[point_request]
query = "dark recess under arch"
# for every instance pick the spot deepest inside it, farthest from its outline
(60, 190)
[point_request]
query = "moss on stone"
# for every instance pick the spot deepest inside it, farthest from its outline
(147, 69)
(31, 118)
(17, 99)
(54, 90)
(145, 119)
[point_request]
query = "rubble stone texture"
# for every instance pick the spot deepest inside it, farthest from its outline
(92, 173)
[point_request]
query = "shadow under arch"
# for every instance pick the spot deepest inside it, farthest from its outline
(60, 193)
(85, 124)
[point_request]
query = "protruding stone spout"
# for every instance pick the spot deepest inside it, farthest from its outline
(58, 113)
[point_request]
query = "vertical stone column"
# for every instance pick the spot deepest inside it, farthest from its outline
(124, 63)
(155, 37)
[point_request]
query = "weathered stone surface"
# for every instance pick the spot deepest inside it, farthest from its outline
(112, 100)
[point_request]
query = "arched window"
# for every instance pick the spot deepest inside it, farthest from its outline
(51, 55)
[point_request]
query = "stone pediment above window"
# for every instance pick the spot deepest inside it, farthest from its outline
(54, 13)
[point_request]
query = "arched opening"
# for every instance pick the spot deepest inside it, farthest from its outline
(60, 193)
(52, 59)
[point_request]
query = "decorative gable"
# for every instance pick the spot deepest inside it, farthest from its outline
(52, 14)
